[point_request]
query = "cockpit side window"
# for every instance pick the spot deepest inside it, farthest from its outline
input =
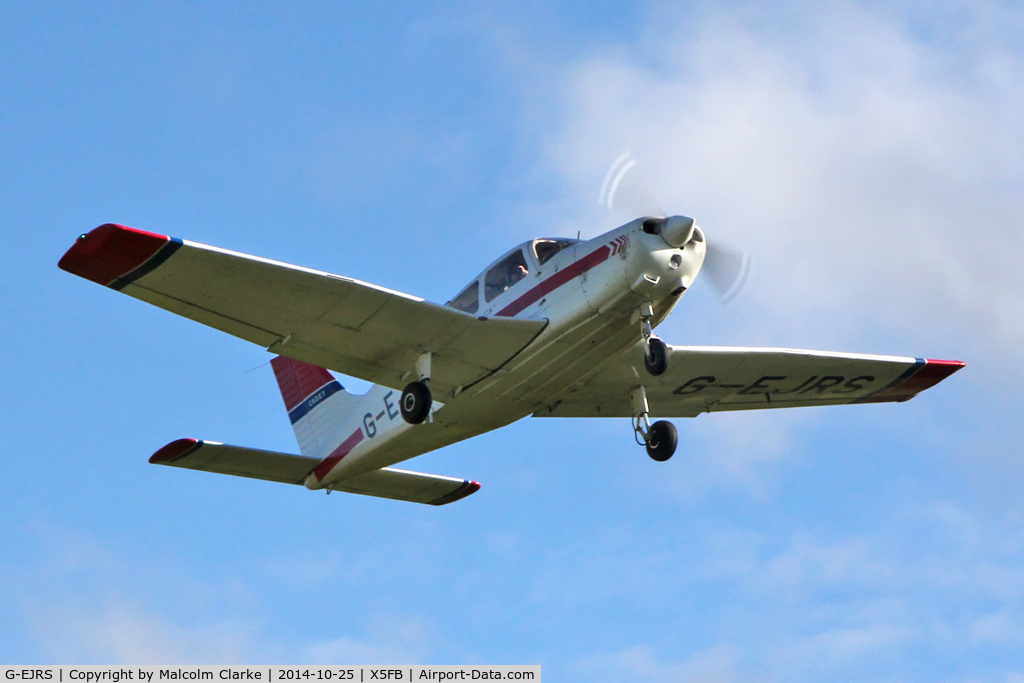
(509, 271)
(468, 300)
(547, 248)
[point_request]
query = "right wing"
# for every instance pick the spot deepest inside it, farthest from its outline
(335, 322)
(703, 379)
(388, 482)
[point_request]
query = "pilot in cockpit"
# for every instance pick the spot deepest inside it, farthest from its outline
(516, 272)
(505, 274)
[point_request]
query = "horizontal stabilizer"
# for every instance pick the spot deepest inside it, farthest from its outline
(210, 456)
(415, 487)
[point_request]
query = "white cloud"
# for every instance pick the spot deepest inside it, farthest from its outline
(838, 648)
(390, 641)
(999, 628)
(715, 664)
(873, 173)
(801, 567)
(812, 605)
(120, 632)
(738, 451)
(808, 565)
(85, 602)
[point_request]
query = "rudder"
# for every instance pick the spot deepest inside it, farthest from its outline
(316, 402)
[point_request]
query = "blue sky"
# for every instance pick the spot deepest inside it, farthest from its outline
(868, 155)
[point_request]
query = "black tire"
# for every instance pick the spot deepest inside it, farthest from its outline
(415, 403)
(662, 440)
(656, 358)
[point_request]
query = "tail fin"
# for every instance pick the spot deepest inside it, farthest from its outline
(317, 404)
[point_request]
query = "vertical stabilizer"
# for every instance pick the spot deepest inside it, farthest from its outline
(316, 402)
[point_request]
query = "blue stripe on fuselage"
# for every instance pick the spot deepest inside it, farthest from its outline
(321, 394)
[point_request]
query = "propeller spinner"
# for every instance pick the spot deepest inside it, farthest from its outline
(627, 192)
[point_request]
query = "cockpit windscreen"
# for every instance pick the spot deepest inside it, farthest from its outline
(468, 300)
(546, 248)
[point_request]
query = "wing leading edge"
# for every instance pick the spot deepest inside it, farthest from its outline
(703, 379)
(353, 327)
(388, 482)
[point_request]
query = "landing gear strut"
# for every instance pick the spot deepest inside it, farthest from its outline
(416, 399)
(655, 350)
(659, 438)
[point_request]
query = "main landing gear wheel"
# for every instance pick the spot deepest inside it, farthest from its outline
(662, 440)
(415, 403)
(656, 358)
(659, 438)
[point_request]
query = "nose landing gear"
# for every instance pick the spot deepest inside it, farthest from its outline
(655, 350)
(660, 438)
(656, 356)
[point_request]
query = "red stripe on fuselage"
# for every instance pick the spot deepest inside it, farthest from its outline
(111, 251)
(549, 285)
(328, 463)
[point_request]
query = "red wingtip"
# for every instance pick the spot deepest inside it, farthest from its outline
(175, 450)
(954, 364)
(110, 251)
(928, 373)
(931, 374)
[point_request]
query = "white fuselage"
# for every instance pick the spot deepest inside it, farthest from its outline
(590, 293)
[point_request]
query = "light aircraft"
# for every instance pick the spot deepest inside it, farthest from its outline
(553, 328)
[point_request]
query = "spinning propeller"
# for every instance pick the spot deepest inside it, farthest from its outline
(628, 193)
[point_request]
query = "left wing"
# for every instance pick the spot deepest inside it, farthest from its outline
(388, 482)
(708, 378)
(330, 321)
